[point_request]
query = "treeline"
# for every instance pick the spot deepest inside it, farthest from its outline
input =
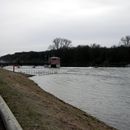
(80, 56)
(94, 56)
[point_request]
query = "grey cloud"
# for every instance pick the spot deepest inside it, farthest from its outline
(32, 25)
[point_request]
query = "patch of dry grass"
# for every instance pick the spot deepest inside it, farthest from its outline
(36, 109)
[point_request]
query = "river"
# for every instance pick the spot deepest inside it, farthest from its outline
(101, 92)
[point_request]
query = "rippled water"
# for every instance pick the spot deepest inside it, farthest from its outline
(101, 92)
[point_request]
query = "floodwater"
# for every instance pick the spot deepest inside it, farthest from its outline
(101, 92)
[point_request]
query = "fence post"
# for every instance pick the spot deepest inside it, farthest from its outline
(13, 68)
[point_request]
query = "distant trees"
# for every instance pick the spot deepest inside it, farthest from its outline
(93, 55)
(94, 45)
(125, 40)
(82, 55)
(59, 43)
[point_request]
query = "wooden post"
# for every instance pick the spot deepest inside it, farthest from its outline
(13, 68)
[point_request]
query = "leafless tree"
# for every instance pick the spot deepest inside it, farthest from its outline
(59, 43)
(94, 45)
(125, 40)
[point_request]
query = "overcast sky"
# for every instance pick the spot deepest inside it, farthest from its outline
(31, 25)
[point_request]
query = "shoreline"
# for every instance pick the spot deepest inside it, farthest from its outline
(37, 109)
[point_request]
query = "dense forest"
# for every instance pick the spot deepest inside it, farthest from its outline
(80, 56)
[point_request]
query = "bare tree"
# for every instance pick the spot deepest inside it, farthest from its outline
(125, 40)
(94, 45)
(67, 43)
(57, 43)
(60, 43)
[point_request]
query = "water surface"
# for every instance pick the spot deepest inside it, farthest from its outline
(101, 92)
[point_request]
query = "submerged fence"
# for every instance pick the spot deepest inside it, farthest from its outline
(40, 70)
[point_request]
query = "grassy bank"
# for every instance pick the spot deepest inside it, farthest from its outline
(36, 109)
